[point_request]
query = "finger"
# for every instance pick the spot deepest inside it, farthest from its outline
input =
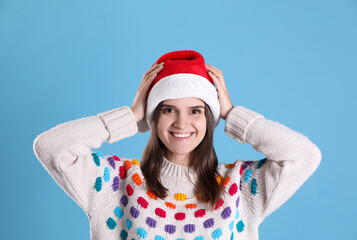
(218, 73)
(150, 78)
(152, 68)
(143, 88)
(215, 80)
(217, 76)
(154, 71)
(214, 68)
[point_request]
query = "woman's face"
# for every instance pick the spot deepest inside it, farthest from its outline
(181, 125)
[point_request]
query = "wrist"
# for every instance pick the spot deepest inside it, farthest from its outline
(136, 116)
(227, 112)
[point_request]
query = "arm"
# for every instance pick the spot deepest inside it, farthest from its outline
(291, 160)
(65, 151)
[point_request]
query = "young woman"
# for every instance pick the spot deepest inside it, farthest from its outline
(178, 191)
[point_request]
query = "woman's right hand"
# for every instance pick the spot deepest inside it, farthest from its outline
(139, 104)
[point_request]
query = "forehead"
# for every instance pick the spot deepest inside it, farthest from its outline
(184, 102)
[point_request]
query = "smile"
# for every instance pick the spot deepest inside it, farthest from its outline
(181, 135)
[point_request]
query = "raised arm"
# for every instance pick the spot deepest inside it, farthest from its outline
(291, 158)
(66, 150)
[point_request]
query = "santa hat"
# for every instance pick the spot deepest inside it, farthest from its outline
(184, 75)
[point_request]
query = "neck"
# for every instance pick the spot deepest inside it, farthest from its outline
(180, 159)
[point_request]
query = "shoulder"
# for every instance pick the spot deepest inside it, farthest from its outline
(112, 166)
(240, 167)
(230, 168)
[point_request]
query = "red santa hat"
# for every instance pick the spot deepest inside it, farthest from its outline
(184, 75)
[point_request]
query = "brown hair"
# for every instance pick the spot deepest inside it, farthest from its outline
(203, 161)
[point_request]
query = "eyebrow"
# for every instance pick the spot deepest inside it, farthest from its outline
(167, 105)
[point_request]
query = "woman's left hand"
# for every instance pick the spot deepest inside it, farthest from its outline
(223, 96)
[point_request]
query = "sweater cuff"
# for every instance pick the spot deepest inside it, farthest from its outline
(120, 123)
(238, 121)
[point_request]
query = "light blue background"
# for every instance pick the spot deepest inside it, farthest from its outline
(295, 62)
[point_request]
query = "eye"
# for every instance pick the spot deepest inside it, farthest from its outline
(196, 111)
(167, 110)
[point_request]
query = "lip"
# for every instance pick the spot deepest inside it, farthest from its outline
(181, 139)
(180, 132)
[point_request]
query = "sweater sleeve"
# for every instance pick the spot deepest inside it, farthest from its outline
(291, 158)
(66, 151)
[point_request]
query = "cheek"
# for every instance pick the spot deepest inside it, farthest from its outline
(201, 126)
(162, 125)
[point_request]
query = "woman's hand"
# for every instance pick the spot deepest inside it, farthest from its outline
(223, 96)
(139, 104)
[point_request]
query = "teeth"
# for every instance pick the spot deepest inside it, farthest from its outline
(182, 135)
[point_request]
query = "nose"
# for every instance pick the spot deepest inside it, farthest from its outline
(181, 120)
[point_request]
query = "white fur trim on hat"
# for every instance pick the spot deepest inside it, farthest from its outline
(181, 85)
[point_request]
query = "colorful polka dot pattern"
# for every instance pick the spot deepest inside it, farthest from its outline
(134, 212)
(170, 205)
(219, 204)
(261, 163)
(226, 213)
(160, 213)
(247, 175)
(98, 184)
(253, 187)
(143, 203)
(128, 223)
(106, 175)
(233, 189)
(208, 223)
(136, 162)
(111, 162)
(170, 229)
(240, 226)
(111, 223)
(151, 195)
(191, 206)
(99, 154)
(118, 212)
(115, 183)
(141, 232)
(200, 213)
(217, 233)
(180, 197)
(151, 222)
(231, 226)
(96, 159)
(180, 216)
(124, 200)
(189, 228)
(122, 172)
(123, 234)
(137, 180)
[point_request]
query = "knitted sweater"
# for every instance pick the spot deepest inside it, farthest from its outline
(112, 190)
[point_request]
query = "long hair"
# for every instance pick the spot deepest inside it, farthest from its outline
(203, 160)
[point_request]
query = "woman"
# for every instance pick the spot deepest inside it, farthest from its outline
(178, 191)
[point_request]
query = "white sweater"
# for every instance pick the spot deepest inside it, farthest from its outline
(113, 191)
